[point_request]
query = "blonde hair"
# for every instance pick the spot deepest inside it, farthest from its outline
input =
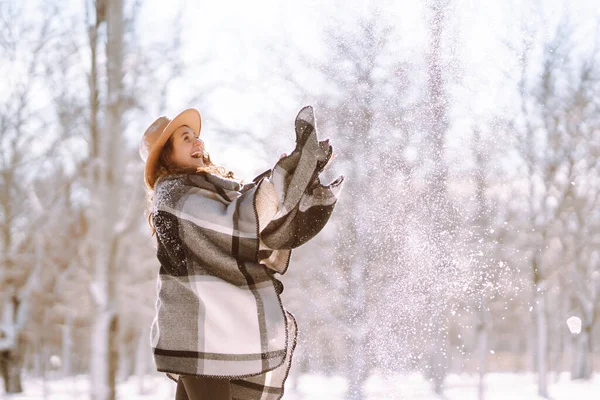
(166, 166)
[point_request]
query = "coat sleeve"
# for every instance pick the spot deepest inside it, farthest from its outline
(291, 204)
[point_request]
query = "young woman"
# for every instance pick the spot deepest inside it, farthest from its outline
(220, 330)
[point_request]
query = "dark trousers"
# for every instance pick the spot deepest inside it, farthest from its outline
(202, 388)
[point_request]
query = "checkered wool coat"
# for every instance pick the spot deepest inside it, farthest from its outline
(218, 311)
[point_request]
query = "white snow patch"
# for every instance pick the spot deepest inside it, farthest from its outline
(574, 324)
(498, 386)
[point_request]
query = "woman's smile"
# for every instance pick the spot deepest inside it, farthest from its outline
(188, 148)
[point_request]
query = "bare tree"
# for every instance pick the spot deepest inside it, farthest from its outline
(580, 122)
(554, 106)
(487, 241)
(106, 189)
(21, 216)
(364, 119)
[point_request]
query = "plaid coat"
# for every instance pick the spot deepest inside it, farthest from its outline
(220, 243)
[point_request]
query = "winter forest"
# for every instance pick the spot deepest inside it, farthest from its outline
(462, 260)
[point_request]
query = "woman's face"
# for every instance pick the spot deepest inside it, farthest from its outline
(188, 148)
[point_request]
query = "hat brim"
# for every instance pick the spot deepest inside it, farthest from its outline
(189, 117)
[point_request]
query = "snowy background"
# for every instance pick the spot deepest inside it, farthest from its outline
(462, 260)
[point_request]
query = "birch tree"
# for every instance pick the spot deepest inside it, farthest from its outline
(106, 196)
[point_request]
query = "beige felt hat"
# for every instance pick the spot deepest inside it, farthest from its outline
(157, 135)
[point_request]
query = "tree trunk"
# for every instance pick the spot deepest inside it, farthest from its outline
(439, 206)
(357, 373)
(358, 349)
(126, 359)
(438, 359)
(67, 345)
(542, 339)
(141, 359)
(10, 367)
(12, 352)
(101, 384)
(105, 205)
(482, 349)
(581, 361)
(358, 369)
(113, 353)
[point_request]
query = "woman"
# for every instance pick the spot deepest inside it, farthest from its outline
(220, 330)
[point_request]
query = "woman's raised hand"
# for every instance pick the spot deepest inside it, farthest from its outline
(326, 165)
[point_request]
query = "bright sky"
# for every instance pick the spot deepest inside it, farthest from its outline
(236, 36)
(229, 43)
(232, 46)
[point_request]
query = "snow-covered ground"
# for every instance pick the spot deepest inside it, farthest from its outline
(499, 386)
